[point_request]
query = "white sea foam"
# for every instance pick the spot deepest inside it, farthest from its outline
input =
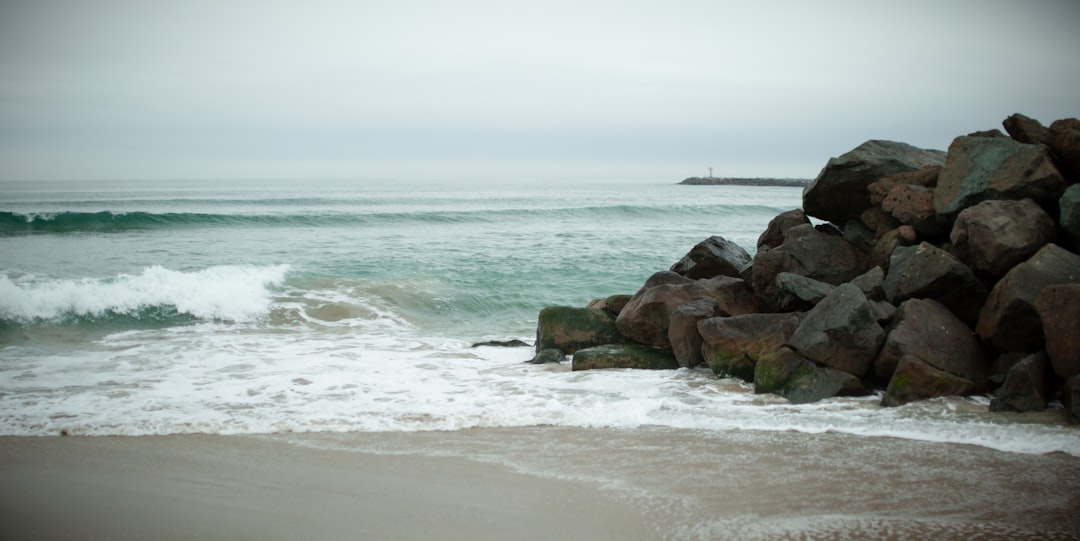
(231, 293)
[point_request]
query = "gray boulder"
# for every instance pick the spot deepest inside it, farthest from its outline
(1059, 311)
(1026, 387)
(982, 168)
(623, 356)
(805, 289)
(683, 332)
(995, 236)
(839, 193)
(773, 235)
(871, 283)
(914, 379)
(926, 330)
(794, 377)
(928, 272)
(550, 355)
(810, 253)
(1009, 321)
(712, 257)
(1069, 205)
(731, 346)
(568, 329)
(840, 332)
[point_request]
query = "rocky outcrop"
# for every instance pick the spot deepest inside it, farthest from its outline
(994, 236)
(928, 272)
(840, 332)
(1009, 321)
(1059, 312)
(623, 356)
(926, 330)
(839, 194)
(731, 346)
(712, 257)
(569, 329)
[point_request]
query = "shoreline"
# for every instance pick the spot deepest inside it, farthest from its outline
(531, 483)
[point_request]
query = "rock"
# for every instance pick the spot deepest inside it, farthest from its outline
(881, 255)
(860, 235)
(840, 332)
(647, 317)
(550, 355)
(1059, 311)
(926, 330)
(914, 379)
(778, 226)
(568, 329)
(712, 257)
(839, 192)
(1064, 142)
(994, 236)
(928, 272)
(613, 304)
(982, 168)
(792, 376)
(1026, 130)
(664, 277)
(1026, 386)
(683, 332)
(1008, 320)
(806, 289)
(883, 311)
(993, 132)
(871, 283)
(810, 253)
(623, 356)
(515, 343)
(914, 206)
(732, 345)
(879, 221)
(925, 177)
(1003, 364)
(1070, 398)
(1069, 205)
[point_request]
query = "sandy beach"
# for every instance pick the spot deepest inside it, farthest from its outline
(531, 483)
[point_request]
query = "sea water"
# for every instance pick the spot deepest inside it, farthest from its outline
(250, 307)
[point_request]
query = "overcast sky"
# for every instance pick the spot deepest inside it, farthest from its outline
(615, 90)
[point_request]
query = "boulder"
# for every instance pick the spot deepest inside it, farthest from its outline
(1064, 142)
(683, 332)
(778, 226)
(712, 257)
(839, 192)
(913, 205)
(878, 221)
(1009, 320)
(914, 379)
(732, 345)
(1026, 130)
(860, 235)
(613, 304)
(925, 177)
(550, 355)
(1003, 364)
(568, 329)
(1070, 398)
(881, 255)
(805, 289)
(993, 132)
(883, 311)
(982, 168)
(871, 283)
(1059, 311)
(994, 236)
(623, 356)
(1026, 387)
(810, 253)
(840, 332)
(647, 316)
(928, 272)
(1069, 206)
(792, 376)
(926, 330)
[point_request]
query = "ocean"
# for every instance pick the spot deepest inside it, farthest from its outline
(278, 307)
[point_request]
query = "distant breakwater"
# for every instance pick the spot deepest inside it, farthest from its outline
(731, 181)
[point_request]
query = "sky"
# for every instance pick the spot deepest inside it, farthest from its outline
(625, 90)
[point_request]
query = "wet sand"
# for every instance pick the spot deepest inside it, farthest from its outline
(531, 483)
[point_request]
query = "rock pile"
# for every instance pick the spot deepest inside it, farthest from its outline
(928, 274)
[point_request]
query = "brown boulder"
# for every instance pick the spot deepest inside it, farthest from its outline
(839, 193)
(810, 253)
(928, 272)
(927, 330)
(994, 236)
(879, 221)
(982, 168)
(925, 177)
(683, 332)
(1009, 321)
(774, 233)
(613, 304)
(914, 379)
(1026, 387)
(732, 345)
(913, 205)
(1059, 311)
(712, 257)
(647, 316)
(840, 332)
(1064, 142)
(1026, 130)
